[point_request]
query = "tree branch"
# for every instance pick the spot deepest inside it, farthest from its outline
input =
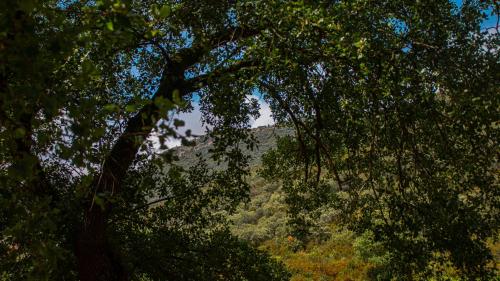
(203, 80)
(189, 56)
(139, 126)
(308, 131)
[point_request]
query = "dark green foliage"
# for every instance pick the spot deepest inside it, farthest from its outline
(399, 117)
(265, 216)
(394, 105)
(183, 234)
(82, 87)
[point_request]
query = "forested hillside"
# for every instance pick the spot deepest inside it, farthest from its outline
(331, 252)
(265, 137)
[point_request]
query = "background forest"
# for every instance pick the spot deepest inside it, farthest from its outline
(383, 163)
(331, 252)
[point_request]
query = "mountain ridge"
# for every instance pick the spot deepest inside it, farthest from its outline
(266, 140)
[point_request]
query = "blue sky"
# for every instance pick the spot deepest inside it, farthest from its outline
(491, 21)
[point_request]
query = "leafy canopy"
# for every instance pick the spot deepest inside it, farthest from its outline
(394, 105)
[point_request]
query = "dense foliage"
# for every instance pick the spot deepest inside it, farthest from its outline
(331, 252)
(396, 116)
(394, 105)
(83, 86)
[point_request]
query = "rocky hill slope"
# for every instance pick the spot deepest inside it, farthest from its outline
(265, 136)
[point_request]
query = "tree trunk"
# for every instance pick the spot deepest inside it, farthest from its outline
(95, 259)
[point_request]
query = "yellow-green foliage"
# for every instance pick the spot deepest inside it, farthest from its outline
(262, 221)
(495, 250)
(334, 259)
(264, 217)
(334, 253)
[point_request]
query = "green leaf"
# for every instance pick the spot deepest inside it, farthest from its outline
(178, 123)
(100, 201)
(177, 98)
(164, 11)
(19, 133)
(163, 103)
(109, 26)
(130, 108)
(111, 107)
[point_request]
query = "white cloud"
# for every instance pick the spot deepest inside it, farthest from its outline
(265, 118)
(192, 121)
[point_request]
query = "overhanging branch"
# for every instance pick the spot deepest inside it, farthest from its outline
(139, 126)
(203, 80)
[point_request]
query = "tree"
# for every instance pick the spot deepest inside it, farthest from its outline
(394, 99)
(395, 106)
(83, 85)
